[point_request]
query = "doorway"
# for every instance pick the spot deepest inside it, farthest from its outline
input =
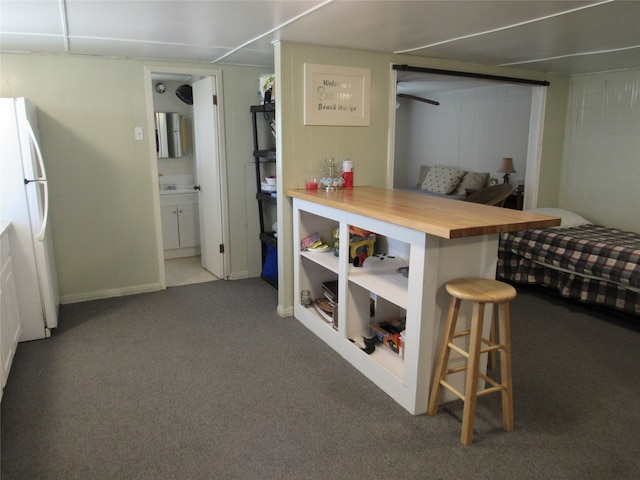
(203, 165)
(465, 120)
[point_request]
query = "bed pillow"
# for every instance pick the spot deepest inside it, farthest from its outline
(442, 179)
(472, 180)
(567, 219)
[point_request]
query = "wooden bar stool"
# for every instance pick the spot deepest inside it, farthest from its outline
(480, 291)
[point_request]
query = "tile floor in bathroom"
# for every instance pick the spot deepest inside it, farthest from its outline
(185, 271)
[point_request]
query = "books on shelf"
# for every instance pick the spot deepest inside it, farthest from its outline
(330, 290)
(324, 308)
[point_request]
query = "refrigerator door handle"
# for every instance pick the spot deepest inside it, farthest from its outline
(42, 179)
(45, 217)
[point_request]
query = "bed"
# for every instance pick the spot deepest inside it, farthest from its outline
(579, 260)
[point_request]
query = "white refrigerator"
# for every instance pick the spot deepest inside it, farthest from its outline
(24, 202)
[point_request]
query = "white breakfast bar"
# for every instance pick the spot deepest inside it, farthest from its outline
(440, 239)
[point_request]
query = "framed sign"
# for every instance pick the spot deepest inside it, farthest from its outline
(336, 95)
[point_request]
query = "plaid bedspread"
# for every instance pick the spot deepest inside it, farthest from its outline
(590, 263)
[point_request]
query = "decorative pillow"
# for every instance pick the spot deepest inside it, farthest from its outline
(442, 179)
(472, 180)
(567, 219)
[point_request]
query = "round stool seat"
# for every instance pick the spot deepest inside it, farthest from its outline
(482, 290)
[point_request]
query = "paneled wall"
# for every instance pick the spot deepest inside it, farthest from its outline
(600, 176)
(472, 129)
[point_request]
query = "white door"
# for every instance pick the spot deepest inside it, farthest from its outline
(205, 125)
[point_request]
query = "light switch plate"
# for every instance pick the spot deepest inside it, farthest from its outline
(138, 133)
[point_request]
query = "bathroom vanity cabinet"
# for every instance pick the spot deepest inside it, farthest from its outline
(439, 239)
(180, 225)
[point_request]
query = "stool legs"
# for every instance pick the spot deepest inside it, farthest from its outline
(491, 361)
(443, 356)
(473, 371)
(504, 328)
(472, 368)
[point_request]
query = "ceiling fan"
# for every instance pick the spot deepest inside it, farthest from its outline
(419, 99)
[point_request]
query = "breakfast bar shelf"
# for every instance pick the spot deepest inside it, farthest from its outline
(327, 259)
(439, 239)
(392, 286)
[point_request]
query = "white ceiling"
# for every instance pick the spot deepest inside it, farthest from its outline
(570, 37)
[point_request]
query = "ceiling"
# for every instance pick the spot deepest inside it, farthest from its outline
(568, 37)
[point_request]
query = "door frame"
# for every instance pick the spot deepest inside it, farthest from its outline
(536, 125)
(224, 206)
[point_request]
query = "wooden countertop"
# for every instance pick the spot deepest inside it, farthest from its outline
(433, 215)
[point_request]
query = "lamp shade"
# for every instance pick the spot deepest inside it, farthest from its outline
(507, 166)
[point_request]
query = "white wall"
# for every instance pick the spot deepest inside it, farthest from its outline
(302, 146)
(472, 129)
(601, 159)
(100, 178)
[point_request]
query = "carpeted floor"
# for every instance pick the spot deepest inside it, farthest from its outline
(206, 381)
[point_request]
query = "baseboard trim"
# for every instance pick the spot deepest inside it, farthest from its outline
(285, 311)
(109, 293)
(135, 289)
(241, 275)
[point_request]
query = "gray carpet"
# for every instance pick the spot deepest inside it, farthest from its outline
(207, 382)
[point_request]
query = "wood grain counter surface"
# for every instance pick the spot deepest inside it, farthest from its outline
(432, 215)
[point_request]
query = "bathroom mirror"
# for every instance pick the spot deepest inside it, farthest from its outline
(172, 136)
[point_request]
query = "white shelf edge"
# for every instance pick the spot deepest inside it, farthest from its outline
(390, 286)
(325, 259)
(311, 317)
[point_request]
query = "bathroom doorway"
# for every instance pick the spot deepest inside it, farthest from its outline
(199, 175)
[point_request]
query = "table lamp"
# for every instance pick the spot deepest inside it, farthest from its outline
(506, 168)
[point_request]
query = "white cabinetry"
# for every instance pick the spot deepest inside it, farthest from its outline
(180, 225)
(420, 298)
(10, 326)
(440, 239)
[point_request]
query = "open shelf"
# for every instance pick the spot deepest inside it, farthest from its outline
(389, 360)
(418, 301)
(268, 237)
(264, 157)
(392, 286)
(266, 197)
(266, 107)
(326, 259)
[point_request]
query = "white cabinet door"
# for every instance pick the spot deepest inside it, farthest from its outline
(180, 226)
(170, 234)
(5, 343)
(9, 319)
(188, 226)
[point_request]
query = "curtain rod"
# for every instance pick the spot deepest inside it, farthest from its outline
(407, 68)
